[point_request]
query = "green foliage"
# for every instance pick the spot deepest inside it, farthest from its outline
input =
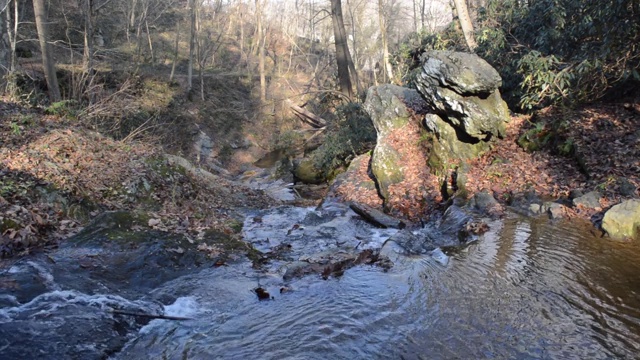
(15, 128)
(406, 59)
(66, 108)
(560, 51)
(350, 135)
(549, 51)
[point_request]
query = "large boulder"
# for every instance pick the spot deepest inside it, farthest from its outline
(386, 104)
(306, 171)
(623, 220)
(446, 146)
(399, 161)
(463, 89)
(464, 73)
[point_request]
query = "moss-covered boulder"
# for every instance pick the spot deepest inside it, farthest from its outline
(387, 106)
(623, 220)
(446, 146)
(306, 171)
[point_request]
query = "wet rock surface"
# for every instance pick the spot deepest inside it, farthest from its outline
(623, 220)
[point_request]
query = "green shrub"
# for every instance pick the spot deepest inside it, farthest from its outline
(65, 108)
(350, 135)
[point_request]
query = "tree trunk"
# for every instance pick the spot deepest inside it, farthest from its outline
(385, 46)
(352, 66)
(5, 54)
(341, 48)
(48, 63)
(465, 23)
(261, 40)
(88, 37)
(192, 43)
(175, 54)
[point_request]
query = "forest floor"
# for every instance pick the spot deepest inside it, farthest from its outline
(570, 153)
(56, 175)
(593, 148)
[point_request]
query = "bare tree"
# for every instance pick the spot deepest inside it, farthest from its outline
(465, 23)
(87, 9)
(48, 63)
(192, 42)
(5, 56)
(261, 43)
(383, 22)
(342, 49)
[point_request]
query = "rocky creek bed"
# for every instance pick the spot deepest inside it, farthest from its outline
(314, 282)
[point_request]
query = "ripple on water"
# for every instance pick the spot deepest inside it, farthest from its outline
(529, 289)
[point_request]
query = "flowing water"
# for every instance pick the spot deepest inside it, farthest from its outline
(528, 289)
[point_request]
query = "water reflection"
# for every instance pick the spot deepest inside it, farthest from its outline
(529, 289)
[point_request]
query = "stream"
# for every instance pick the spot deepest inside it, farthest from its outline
(529, 288)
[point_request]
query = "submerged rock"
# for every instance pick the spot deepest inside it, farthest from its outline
(623, 220)
(414, 244)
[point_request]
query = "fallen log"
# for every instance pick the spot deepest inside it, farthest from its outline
(148, 316)
(307, 116)
(376, 217)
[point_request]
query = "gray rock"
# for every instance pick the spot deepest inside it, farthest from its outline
(554, 210)
(535, 209)
(477, 117)
(466, 74)
(413, 244)
(454, 220)
(307, 172)
(463, 89)
(623, 220)
(590, 200)
(483, 201)
(626, 187)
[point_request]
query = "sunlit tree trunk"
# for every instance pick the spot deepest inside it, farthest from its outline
(465, 23)
(341, 48)
(48, 62)
(385, 46)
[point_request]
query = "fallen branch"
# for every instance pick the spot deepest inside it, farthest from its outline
(149, 316)
(307, 116)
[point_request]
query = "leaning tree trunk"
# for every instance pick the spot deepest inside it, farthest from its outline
(465, 23)
(341, 48)
(48, 63)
